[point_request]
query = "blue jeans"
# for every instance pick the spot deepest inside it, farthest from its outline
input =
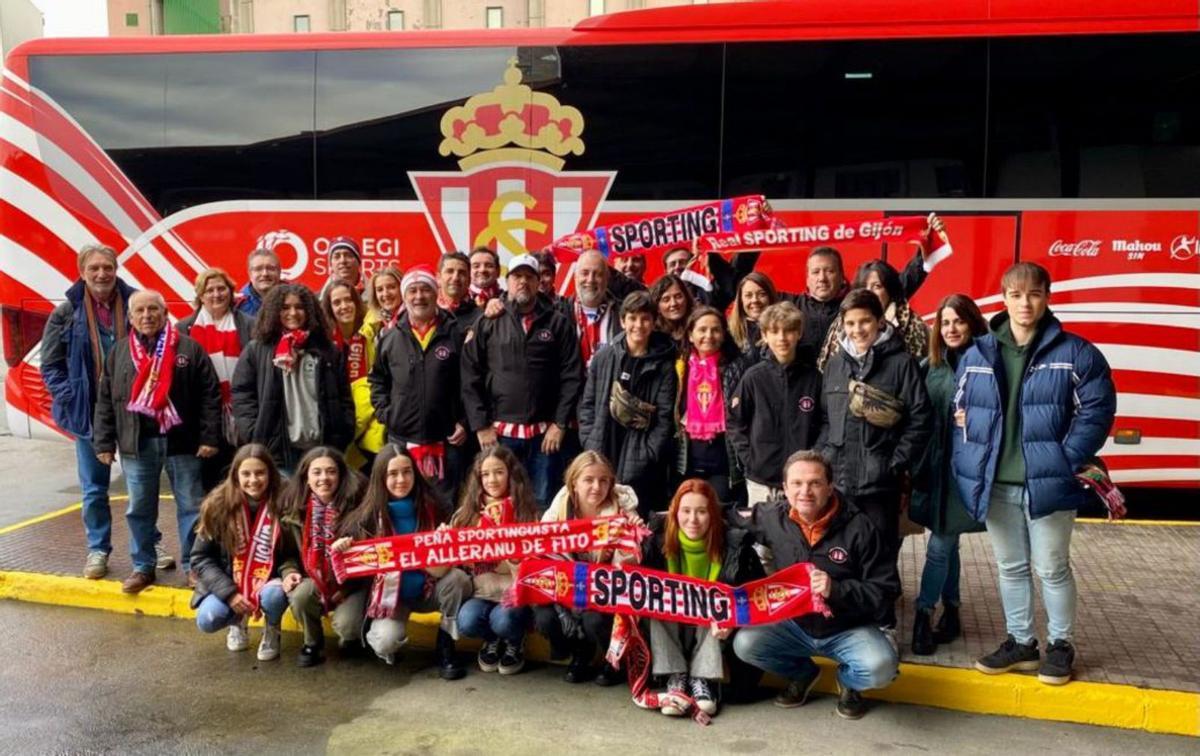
(142, 475)
(864, 657)
(213, 614)
(93, 482)
(1018, 541)
(545, 470)
(480, 618)
(940, 577)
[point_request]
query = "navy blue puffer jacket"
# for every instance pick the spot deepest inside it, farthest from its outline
(1067, 407)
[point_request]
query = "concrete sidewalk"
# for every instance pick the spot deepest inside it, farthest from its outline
(1138, 653)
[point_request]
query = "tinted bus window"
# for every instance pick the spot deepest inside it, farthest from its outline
(855, 119)
(189, 129)
(1095, 117)
(379, 114)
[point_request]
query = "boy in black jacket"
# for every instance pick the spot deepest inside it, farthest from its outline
(855, 573)
(776, 409)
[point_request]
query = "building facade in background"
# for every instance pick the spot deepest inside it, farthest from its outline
(19, 21)
(143, 17)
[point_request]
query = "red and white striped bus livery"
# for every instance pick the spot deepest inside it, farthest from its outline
(1063, 133)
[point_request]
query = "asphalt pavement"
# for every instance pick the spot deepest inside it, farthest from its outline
(78, 681)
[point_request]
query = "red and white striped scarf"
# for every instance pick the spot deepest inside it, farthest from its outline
(219, 339)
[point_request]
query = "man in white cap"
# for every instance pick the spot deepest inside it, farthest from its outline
(522, 376)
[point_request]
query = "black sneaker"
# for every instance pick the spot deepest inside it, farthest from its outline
(310, 656)
(1056, 667)
(1011, 655)
(922, 634)
(579, 670)
(512, 660)
(449, 666)
(797, 691)
(489, 655)
(609, 676)
(851, 704)
(703, 695)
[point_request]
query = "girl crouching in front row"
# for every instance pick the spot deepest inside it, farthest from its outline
(497, 492)
(322, 494)
(244, 562)
(694, 541)
(400, 501)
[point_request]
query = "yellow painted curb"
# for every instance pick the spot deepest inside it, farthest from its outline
(1014, 695)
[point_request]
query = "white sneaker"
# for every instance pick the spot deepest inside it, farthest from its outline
(268, 647)
(677, 688)
(237, 640)
(162, 558)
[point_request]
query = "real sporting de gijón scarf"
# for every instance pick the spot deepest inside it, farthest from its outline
(454, 546)
(666, 596)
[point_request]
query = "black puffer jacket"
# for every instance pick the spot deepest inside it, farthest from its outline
(654, 382)
(865, 581)
(734, 365)
(739, 566)
(868, 459)
(518, 377)
(416, 392)
(214, 565)
(776, 410)
(195, 392)
(258, 404)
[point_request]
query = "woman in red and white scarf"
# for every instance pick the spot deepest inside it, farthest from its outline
(244, 559)
(356, 339)
(322, 493)
(223, 332)
(400, 501)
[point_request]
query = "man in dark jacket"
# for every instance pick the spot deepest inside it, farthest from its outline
(160, 406)
(1035, 404)
(854, 572)
(454, 278)
(415, 383)
(627, 410)
(776, 408)
(75, 345)
(521, 378)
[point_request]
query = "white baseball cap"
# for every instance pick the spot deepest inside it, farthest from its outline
(524, 261)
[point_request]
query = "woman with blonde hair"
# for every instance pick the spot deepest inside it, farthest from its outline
(384, 300)
(590, 490)
(223, 332)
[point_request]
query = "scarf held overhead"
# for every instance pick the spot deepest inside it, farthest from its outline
(454, 546)
(659, 595)
(679, 228)
(150, 395)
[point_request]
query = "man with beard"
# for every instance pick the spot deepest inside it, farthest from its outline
(521, 378)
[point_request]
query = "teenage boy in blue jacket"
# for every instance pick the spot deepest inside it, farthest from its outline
(1034, 404)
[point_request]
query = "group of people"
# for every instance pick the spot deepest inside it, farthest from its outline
(749, 428)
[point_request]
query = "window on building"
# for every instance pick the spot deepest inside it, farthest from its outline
(131, 19)
(495, 18)
(596, 7)
(301, 23)
(395, 20)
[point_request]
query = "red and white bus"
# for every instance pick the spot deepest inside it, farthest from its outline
(1064, 132)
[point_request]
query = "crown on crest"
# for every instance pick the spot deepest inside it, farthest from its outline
(512, 123)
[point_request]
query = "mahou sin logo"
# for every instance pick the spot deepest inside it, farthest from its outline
(1083, 248)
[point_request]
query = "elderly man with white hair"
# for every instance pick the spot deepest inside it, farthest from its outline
(159, 405)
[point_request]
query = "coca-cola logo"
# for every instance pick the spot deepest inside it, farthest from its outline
(1082, 248)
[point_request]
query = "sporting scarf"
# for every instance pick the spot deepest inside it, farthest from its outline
(657, 234)
(430, 459)
(590, 330)
(385, 595)
(642, 592)
(255, 558)
(1097, 479)
(705, 417)
(424, 335)
(456, 546)
(150, 395)
(355, 350)
(120, 327)
(780, 238)
(494, 513)
(481, 296)
(219, 339)
(319, 522)
(290, 344)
